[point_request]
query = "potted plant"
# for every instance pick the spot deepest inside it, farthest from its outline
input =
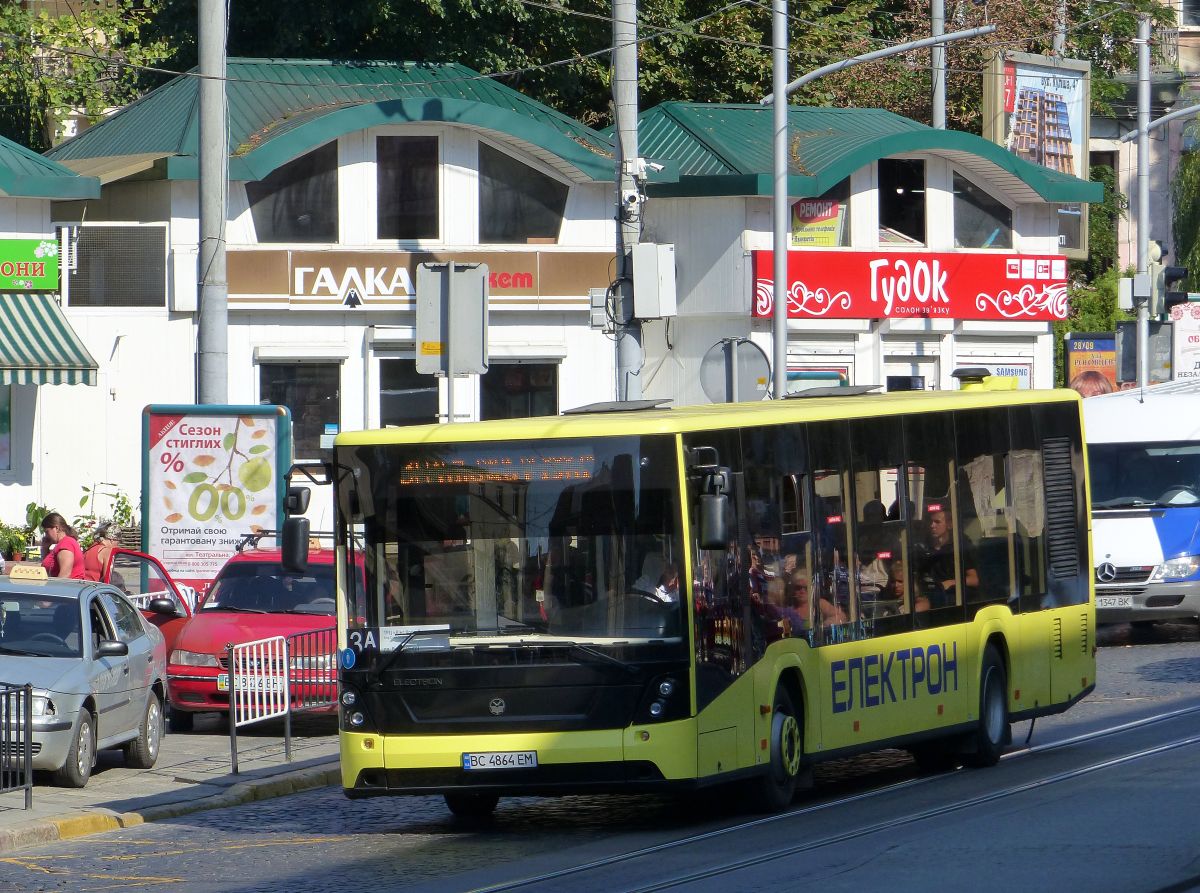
(13, 541)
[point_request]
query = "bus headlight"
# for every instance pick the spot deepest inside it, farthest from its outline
(1177, 568)
(349, 698)
(356, 719)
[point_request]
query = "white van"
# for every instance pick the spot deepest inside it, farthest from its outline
(1144, 467)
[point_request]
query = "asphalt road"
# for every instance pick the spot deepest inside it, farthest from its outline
(1037, 822)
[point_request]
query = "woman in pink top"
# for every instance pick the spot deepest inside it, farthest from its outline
(63, 557)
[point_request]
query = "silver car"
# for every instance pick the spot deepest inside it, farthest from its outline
(98, 671)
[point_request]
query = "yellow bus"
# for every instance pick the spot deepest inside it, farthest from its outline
(673, 598)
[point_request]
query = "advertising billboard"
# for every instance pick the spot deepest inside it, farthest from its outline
(1090, 352)
(1038, 107)
(210, 475)
(892, 285)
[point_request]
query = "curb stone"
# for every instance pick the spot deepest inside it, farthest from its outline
(97, 821)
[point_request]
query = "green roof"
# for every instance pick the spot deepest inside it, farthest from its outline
(26, 174)
(281, 108)
(727, 149)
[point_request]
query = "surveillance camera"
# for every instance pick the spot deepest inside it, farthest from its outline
(631, 198)
(654, 166)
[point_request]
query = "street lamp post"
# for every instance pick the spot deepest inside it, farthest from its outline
(779, 215)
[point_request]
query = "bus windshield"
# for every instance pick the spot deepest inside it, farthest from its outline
(571, 540)
(1127, 475)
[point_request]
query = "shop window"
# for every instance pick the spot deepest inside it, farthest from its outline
(312, 394)
(980, 221)
(407, 187)
(519, 390)
(298, 202)
(517, 204)
(901, 201)
(1189, 14)
(117, 266)
(406, 397)
(5, 427)
(824, 221)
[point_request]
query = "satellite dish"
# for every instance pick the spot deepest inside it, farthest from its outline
(735, 370)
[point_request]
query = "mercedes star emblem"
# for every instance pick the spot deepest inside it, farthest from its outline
(1106, 573)
(496, 706)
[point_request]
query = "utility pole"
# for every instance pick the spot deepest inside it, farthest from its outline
(1060, 28)
(213, 324)
(1143, 197)
(629, 195)
(937, 58)
(779, 202)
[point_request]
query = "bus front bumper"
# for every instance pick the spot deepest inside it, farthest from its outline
(609, 760)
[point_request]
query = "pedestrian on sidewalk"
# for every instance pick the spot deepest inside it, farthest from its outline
(95, 559)
(61, 554)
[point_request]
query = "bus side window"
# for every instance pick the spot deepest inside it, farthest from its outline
(834, 587)
(722, 652)
(1028, 508)
(877, 457)
(982, 440)
(940, 569)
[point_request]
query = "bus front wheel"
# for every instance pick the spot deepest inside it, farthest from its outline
(776, 787)
(993, 733)
(472, 806)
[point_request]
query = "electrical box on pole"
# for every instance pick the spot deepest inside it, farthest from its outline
(653, 280)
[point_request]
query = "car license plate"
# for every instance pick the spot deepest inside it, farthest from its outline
(1114, 601)
(502, 759)
(252, 683)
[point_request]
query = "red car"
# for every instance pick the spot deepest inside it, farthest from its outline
(253, 598)
(142, 578)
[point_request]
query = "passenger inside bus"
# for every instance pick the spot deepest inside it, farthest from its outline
(936, 569)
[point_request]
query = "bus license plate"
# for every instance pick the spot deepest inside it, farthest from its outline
(252, 683)
(503, 759)
(1114, 601)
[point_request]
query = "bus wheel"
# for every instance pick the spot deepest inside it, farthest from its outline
(993, 732)
(472, 806)
(775, 789)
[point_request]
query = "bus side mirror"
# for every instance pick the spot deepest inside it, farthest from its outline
(296, 501)
(293, 543)
(714, 508)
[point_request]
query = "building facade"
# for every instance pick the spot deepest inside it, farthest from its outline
(344, 179)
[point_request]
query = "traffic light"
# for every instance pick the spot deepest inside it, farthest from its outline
(1170, 276)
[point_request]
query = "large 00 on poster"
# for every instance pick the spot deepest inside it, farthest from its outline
(210, 475)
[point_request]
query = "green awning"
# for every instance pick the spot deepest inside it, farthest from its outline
(38, 345)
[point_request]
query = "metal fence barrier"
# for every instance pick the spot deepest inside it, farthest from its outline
(16, 740)
(278, 676)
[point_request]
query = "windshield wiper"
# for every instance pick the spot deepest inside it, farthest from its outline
(4, 649)
(580, 649)
(1128, 502)
(233, 608)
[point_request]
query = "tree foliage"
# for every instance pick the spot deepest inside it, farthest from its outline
(54, 65)
(1185, 227)
(699, 50)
